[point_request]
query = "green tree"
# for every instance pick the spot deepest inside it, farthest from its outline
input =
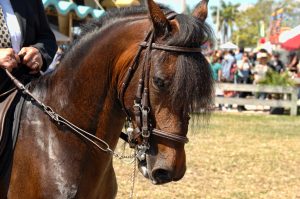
(291, 12)
(227, 13)
(247, 22)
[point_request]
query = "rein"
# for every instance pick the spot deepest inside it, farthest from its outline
(60, 120)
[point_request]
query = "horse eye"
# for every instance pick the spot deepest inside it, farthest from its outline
(159, 82)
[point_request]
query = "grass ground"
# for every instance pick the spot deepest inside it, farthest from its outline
(235, 156)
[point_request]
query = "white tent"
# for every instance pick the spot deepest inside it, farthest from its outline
(229, 46)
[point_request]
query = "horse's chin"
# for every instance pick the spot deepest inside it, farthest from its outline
(146, 172)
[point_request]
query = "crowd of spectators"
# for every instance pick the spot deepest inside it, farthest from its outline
(248, 67)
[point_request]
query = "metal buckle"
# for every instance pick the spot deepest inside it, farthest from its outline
(145, 132)
(141, 152)
(135, 104)
(129, 131)
(146, 109)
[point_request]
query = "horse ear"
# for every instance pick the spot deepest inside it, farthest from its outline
(200, 10)
(160, 22)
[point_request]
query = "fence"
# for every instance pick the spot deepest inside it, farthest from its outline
(290, 100)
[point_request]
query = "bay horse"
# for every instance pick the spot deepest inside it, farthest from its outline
(142, 65)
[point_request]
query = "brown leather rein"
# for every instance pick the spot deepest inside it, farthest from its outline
(139, 136)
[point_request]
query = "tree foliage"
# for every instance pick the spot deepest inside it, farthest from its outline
(291, 10)
(277, 79)
(228, 13)
(247, 22)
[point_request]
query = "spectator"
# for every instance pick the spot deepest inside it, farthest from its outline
(261, 68)
(252, 58)
(276, 64)
(243, 68)
(217, 67)
(243, 76)
(239, 55)
(227, 66)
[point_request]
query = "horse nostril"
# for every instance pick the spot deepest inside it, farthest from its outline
(162, 176)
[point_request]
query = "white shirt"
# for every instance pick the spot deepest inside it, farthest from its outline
(260, 72)
(12, 24)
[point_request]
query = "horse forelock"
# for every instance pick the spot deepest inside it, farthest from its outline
(192, 83)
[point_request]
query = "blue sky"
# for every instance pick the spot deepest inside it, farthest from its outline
(192, 3)
(174, 4)
(177, 6)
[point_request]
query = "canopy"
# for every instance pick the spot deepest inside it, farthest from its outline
(65, 7)
(229, 46)
(290, 39)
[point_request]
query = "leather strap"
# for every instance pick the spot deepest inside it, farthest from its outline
(171, 48)
(170, 136)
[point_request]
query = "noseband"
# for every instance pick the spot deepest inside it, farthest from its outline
(139, 136)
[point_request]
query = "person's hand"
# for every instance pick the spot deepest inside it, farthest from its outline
(8, 58)
(32, 58)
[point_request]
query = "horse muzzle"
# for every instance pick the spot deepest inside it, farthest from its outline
(160, 173)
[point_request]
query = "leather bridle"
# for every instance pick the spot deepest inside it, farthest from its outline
(139, 136)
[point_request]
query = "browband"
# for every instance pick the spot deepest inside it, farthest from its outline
(171, 48)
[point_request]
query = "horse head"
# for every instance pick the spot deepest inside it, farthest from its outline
(170, 78)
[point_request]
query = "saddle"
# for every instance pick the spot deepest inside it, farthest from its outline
(10, 109)
(9, 99)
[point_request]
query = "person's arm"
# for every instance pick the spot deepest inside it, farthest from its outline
(45, 43)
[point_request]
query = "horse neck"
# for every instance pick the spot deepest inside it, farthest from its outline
(84, 87)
